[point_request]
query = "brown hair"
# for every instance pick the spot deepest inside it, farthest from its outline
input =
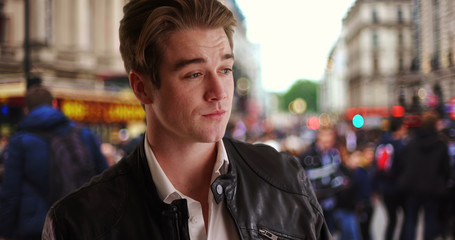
(429, 120)
(37, 96)
(147, 24)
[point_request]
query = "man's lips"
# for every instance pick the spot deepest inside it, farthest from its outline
(215, 115)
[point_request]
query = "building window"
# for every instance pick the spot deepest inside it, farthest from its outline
(375, 40)
(434, 62)
(400, 15)
(400, 39)
(450, 54)
(450, 58)
(436, 36)
(375, 64)
(374, 15)
(4, 24)
(400, 64)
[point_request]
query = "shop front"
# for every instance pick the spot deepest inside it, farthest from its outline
(115, 117)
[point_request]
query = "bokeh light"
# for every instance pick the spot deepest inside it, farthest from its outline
(358, 121)
(313, 123)
(422, 93)
(397, 111)
(243, 86)
(451, 106)
(123, 134)
(5, 110)
(298, 106)
(324, 118)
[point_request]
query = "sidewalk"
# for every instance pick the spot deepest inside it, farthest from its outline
(379, 221)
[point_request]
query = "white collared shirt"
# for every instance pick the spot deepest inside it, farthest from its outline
(221, 225)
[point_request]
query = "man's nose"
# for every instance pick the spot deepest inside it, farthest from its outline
(215, 87)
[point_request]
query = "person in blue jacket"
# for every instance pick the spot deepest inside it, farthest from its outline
(23, 206)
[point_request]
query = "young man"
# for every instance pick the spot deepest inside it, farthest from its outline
(185, 181)
(24, 195)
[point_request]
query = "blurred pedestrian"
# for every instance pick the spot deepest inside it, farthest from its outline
(23, 205)
(3, 145)
(185, 181)
(387, 170)
(110, 152)
(322, 162)
(363, 175)
(424, 178)
(349, 200)
(449, 201)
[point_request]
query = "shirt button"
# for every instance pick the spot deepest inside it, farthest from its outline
(174, 208)
(193, 220)
(219, 189)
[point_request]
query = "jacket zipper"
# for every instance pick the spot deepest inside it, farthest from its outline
(266, 233)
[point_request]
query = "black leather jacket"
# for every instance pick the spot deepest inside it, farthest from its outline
(267, 193)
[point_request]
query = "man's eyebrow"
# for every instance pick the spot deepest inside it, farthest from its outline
(228, 56)
(182, 63)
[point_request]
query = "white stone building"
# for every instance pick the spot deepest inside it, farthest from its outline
(434, 44)
(378, 38)
(332, 95)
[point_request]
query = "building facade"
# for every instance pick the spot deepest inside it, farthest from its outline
(332, 95)
(378, 39)
(397, 53)
(432, 77)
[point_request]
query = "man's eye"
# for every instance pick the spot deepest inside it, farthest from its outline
(226, 70)
(194, 75)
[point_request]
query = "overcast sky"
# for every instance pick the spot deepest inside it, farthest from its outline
(296, 37)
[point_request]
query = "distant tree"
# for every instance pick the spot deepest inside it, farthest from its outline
(305, 89)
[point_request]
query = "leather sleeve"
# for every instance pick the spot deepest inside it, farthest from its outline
(49, 229)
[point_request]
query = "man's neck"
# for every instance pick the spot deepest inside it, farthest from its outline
(189, 167)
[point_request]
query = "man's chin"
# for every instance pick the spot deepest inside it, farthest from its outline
(213, 138)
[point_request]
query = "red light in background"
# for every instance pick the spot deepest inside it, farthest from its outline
(397, 111)
(452, 107)
(313, 123)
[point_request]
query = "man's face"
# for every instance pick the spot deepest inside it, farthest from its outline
(326, 139)
(194, 101)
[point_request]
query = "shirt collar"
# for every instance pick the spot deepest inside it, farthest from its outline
(166, 191)
(222, 162)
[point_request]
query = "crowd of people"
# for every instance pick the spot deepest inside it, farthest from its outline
(406, 168)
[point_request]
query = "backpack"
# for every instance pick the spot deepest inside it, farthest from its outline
(384, 157)
(70, 163)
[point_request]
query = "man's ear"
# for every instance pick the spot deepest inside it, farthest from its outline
(141, 87)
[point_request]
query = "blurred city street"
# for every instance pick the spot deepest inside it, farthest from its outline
(386, 84)
(379, 221)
